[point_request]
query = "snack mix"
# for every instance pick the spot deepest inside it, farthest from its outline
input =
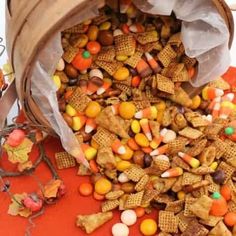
(149, 145)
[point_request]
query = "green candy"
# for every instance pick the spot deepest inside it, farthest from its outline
(229, 130)
(216, 195)
(86, 54)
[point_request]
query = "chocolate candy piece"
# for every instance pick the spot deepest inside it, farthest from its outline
(73, 82)
(219, 176)
(138, 158)
(71, 71)
(105, 37)
(147, 160)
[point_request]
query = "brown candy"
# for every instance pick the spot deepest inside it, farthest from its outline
(71, 71)
(96, 81)
(147, 160)
(138, 158)
(219, 176)
(105, 37)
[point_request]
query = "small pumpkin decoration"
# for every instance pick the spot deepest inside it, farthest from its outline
(82, 60)
(230, 131)
(219, 205)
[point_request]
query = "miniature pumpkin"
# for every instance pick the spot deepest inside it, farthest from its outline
(230, 131)
(219, 205)
(82, 60)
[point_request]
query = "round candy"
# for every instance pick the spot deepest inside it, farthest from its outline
(140, 211)
(181, 195)
(229, 130)
(105, 37)
(141, 140)
(93, 109)
(230, 219)
(127, 110)
(135, 126)
(127, 155)
(219, 176)
(86, 189)
(105, 25)
(148, 227)
(71, 71)
(169, 136)
(93, 47)
(93, 32)
(123, 178)
(120, 229)
(60, 65)
(57, 81)
(196, 101)
(128, 217)
(123, 165)
(70, 110)
(121, 74)
(103, 186)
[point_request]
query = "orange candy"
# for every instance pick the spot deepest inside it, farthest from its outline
(225, 191)
(68, 94)
(147, 150)
(86, 189)
(98, 197)
(135, 81)
(93, 166)
(191, 72)
(93, 47)
(219, 205)
(132, 144)
(230, 219)
(140, 211)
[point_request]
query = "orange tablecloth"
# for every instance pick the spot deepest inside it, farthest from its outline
(59, 219)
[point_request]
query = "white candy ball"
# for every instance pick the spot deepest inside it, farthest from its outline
(169, 136)
(120, 229)
(60, 65)
(123, 178)
(128, 217)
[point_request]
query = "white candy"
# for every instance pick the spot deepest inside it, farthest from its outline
(169, 136)
(120, 229)
(128, 217)
(123, 178)
(60, 65)
(96, 73)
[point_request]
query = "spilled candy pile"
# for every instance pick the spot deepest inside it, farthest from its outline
(148, 144)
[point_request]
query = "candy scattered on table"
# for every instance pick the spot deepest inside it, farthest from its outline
(149, 145)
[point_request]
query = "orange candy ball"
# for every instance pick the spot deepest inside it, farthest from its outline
(86, 189)
(140, 211)
(93, 47)
(225, 191)
(230, 219)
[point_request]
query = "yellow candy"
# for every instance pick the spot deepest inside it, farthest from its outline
(94, 144)
(181, 195)
(141, 140)
(77, 125)
(57, 81)
(103, 186)
(148, 227)
(121, 74)
(123, 165)
(70, 110)
(214, 165)
(105, 25)
(93, 109)
(93, 32)
(135, 126)
(87, 22)
(82, 41)
(90, 153)
(153, 177)
(127, 110)
(128, 154)
(196, 101)
(121, 58)
(118, 159)
(161, 106)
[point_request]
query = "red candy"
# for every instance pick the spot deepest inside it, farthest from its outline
(15, 138)
(93, 47)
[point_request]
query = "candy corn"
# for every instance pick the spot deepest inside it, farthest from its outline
(106, 85)
(115, 108)
(78, 122)
(145, 128)
(117, 147)
(137, 28)
(151, 61)
(149, 113)
(161, 150)
(117, 32)
(213, 102)
(93, 86)
(157, 140)
(88, 151)
(173, 172)
(209, 93)
(226, 108)
(90, 125)
(216, 110)
(83, 84)
(190, 160)
(124, 5)
(228, 97)
(143, 68)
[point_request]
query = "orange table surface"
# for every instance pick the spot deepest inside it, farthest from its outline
(59, 219)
